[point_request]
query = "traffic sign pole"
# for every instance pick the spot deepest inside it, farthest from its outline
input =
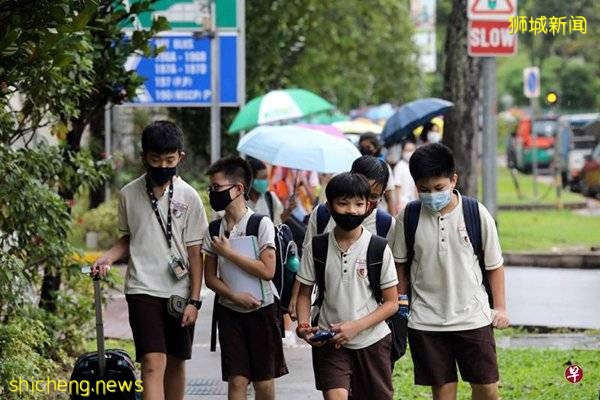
(490, 139)
(215, 110)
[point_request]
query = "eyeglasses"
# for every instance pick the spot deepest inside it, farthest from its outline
(215, 187)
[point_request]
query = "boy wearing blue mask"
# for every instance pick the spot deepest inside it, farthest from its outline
(260, 199)
(448, 258)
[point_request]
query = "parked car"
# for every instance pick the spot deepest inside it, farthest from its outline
(581, 143)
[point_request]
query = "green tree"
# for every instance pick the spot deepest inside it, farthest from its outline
(461, 86)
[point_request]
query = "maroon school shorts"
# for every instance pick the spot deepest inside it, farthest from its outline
(436, 354)
(155, 330)
(365, 373)
(251, 343)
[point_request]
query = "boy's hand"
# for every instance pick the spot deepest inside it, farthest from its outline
(190, 314)
(306, 332)
(292, 310)
(221, 245)
(500, 320)
(246, 300)
(101, 266)
(344, 332)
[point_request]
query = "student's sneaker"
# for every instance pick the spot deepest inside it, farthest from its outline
(290, 339)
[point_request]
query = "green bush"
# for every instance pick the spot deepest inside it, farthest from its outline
(104, 220)
(24, 345)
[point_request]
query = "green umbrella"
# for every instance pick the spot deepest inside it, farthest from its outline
(278, 105)
(326, 118)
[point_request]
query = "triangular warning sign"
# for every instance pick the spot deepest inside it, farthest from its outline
(490, 8)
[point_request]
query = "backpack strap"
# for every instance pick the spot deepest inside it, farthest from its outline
(323, 216)
(320, 243)
(375, 252)
(411, 221)
(253, 224)
(473, 225)
(269, 199)
(214, 228)
(383, 223)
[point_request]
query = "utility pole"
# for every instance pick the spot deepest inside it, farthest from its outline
(215, 110)
(490, 139)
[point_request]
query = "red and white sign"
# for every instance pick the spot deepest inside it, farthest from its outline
(498, 10)
(574, 373)
(491, 39)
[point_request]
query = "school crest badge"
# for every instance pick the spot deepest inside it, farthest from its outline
(178, 208)
(361, 268)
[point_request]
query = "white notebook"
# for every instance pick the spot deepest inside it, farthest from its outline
(236, 278)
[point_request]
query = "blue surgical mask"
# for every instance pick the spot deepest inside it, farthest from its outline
(260, 185)
(437, 200)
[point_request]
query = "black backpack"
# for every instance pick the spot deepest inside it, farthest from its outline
(383, 220)
(283, 279)
(377, 245)
(297, 228)
(473, 224)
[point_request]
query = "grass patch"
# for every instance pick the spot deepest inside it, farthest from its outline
(507, 193)
(525, 374)
(545, 230)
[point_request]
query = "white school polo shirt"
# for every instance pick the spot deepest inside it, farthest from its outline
(446, 280)
(348, 296)
(148, 271)
(266, 238)
(369, 223)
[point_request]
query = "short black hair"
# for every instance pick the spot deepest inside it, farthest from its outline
(372, 168)
(432, 160)
(256, 165)
(162, 137)
(347, 185)
(235, 168)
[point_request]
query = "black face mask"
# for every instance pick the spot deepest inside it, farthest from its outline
(364, 152)
(160, 175)
(348, 222)
(220, 200)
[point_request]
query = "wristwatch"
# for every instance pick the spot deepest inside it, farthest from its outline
(195, 303)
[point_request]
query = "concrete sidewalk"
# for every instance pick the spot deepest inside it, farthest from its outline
(204, 369)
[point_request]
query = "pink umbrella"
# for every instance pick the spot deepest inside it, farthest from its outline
(328, 129)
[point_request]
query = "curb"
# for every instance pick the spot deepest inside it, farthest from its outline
(543, 207)
(578, 260)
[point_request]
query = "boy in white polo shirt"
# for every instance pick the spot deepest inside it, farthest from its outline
(356, 362)
(378, 221)
(249, 328)
(161, 220)
(450, 320)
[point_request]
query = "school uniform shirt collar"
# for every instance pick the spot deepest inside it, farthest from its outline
(241, 223)
(356, 246)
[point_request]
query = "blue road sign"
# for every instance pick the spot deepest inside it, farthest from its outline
(181, 74)
(531, 82)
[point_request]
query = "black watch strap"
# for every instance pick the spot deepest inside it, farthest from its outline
(195, 303)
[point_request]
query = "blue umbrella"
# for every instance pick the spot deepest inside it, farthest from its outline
(299, 148)
(411, 115)
(381, 112)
